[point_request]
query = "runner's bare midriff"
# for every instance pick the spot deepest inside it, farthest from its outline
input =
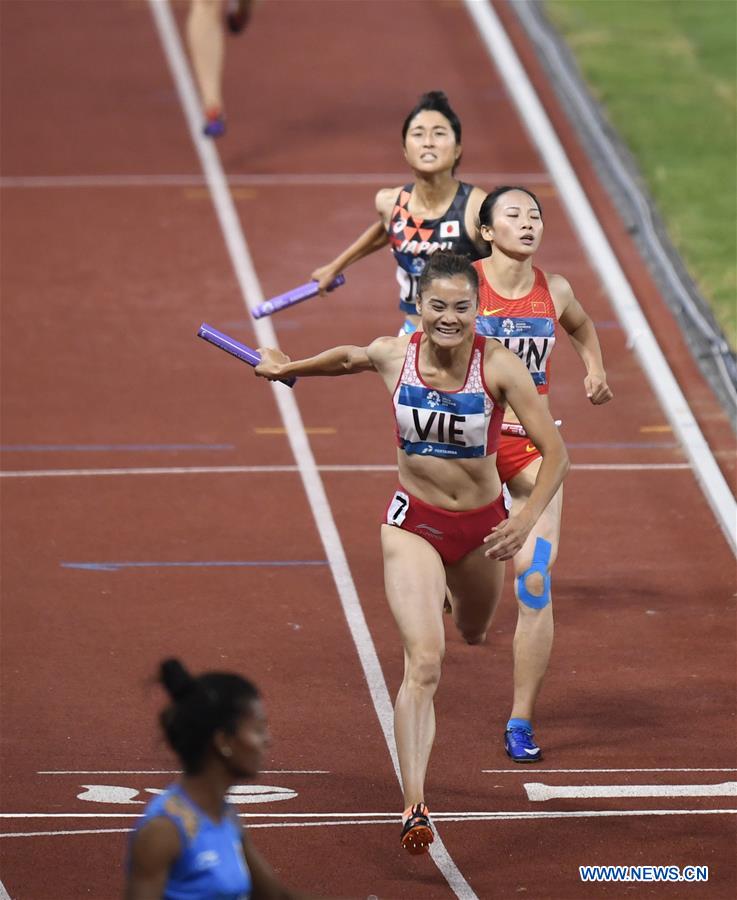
(453, 484)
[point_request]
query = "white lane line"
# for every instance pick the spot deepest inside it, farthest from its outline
(252, 295)
(4, 895)
(23, 834)
(265, 470)
(283, 179)
(604, 261)
(517, 771)
(390, 819)
(539, 792)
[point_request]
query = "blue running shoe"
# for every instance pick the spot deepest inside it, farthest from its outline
(520, 745)
(214, 127)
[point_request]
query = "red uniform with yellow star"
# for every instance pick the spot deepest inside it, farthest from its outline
(526, 326)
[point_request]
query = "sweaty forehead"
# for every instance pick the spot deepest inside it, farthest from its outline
(455, 289)
(429, 118)
(516, 200)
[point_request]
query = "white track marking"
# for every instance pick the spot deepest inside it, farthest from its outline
(602, 258)
(4, 895)
(390, 819)
(539, 792)
(23, 834)
(265, 470)
(252, 295)
(518, 770)
(284, 179)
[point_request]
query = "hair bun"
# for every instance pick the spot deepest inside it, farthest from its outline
(176, 679)
(437, 96)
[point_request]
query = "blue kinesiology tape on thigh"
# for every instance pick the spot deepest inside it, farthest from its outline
(540, 560)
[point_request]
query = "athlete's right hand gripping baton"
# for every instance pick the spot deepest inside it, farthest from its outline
(296, 295)
(235, 348)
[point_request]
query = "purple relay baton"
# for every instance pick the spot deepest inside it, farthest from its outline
(296, 295)
(235, 348)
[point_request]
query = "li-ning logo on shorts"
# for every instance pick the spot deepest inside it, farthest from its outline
(433, 531)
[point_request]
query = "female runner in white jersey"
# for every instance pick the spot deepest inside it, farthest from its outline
(434, 211)
(521, 306)
(446, 524)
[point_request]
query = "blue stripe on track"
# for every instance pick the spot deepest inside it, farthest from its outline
(56, 448)
(206, 563)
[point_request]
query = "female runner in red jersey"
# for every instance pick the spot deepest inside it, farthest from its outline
(434, 211)
(520, 306)
(445, 526)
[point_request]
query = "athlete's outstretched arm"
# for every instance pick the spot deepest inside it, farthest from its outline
(347, 360)
(513, 381)
(373, 238)
(582, 332)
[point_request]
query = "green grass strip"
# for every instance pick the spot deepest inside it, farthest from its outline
(665, 73)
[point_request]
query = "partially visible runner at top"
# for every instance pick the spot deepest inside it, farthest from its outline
(520, 306)
(207, 22)
(433, 211)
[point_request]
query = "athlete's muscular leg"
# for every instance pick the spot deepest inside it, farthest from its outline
(533, 637)
(476, 584)
(206, 40)
(415, 588)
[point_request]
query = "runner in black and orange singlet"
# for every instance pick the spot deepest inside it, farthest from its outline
(445, 525)
(521, 307)
(435, 211)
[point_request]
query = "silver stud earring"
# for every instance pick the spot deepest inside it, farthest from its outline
(226, 751)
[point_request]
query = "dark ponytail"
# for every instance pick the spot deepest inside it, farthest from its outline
(201, 706)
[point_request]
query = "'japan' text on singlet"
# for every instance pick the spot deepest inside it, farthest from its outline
(525, 326)
(413, 240)
(458, 424)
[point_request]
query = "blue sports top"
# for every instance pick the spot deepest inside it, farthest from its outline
(212, 865)
(450, 424)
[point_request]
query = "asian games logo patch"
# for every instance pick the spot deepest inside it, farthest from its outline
(508, 326)
(433, 399)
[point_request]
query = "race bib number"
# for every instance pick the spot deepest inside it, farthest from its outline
(407, 286)
(397, 509)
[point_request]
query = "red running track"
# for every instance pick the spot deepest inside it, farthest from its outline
(104, 285)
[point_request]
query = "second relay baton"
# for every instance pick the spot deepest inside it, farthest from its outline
(296, 295)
